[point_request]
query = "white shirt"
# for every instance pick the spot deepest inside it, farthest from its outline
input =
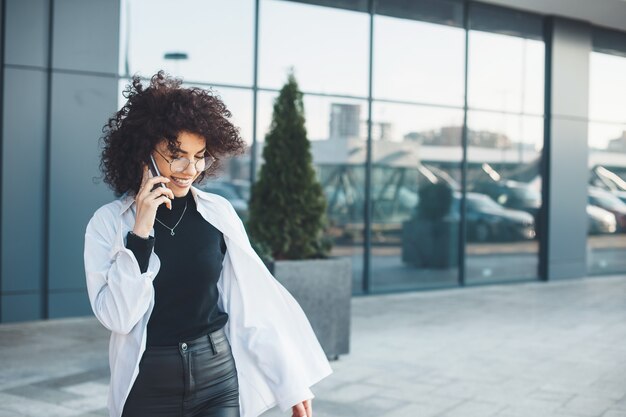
(276, 352)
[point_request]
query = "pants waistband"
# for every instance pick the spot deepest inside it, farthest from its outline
(214, 338)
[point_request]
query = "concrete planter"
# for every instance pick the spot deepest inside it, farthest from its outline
(323, 288)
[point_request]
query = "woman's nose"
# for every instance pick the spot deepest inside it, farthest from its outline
(191, 169)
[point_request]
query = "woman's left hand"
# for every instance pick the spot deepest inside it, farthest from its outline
(303, 409)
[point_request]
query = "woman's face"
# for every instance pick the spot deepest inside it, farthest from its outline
(192, 147)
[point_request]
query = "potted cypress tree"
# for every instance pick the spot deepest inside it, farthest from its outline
(287, 218)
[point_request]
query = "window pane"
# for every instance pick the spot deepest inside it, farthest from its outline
(504, 196)
(607, 88)
(505, 73)
(336, 129)
(606, 209)
(328, 48)
(418, 62)
(414, 230)
(216, 36)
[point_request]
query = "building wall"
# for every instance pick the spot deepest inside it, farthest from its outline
(569, 43)
(605, 13)
(60, 84)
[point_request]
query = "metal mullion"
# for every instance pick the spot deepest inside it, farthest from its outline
(255, 91)
(2, 36)
(464, 164)
(367, 209)
(45, 278)
(548, 35)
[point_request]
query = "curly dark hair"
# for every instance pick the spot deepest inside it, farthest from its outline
(161, 111)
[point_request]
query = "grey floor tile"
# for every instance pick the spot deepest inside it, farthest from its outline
(530, 350)
(40, 393)
(474, 409)
(592, 406)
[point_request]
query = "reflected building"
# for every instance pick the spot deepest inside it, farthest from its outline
(618, 144)
(345, 121)
(449, 136)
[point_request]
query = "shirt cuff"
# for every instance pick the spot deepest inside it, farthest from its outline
(141, 248)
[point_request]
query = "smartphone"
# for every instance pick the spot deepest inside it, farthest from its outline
(155, 172)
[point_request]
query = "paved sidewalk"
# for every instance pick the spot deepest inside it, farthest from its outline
(527, 350)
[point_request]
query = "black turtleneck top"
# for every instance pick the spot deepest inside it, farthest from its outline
(186, 286)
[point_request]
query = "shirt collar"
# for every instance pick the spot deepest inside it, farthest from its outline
(128, 199)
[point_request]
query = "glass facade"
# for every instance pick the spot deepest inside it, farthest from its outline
(326, 47)
(606, 207)
(446, 160)
(203, 41)
(504, 145)
(426, 120)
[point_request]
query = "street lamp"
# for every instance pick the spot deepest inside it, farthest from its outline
(176, 57)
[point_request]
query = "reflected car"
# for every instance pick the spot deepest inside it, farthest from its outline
(489, 221)
(229, 192)
(512, 194)
(609, 180)
(619, 194)
(607, 201)
(242, 187)
(601, 221)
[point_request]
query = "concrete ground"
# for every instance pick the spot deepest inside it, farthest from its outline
(523, 350)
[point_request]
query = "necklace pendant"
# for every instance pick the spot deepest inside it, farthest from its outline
(172, 233)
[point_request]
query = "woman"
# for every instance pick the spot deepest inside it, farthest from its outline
(199, 327)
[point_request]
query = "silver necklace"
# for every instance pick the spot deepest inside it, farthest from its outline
(181, 217)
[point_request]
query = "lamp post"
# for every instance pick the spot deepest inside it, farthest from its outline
(176, 57)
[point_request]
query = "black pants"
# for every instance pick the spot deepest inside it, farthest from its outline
(197, 378)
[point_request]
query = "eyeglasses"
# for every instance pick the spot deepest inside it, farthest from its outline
(180, 164)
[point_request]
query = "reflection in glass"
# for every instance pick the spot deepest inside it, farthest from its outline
(213, 39)
(606, 207)
(424, 65)
(327, 47)
(337, 131)
(505, 73)
(607, 162)
(504, 196)
(416, 161)
(607, 88)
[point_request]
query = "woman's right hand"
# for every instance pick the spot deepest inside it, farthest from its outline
(148, 201)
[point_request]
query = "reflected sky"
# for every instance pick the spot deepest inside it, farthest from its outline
(328, 48)
(217, 37)
(418, 61)
(607, 99)
(505, 73)
(607, 88)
